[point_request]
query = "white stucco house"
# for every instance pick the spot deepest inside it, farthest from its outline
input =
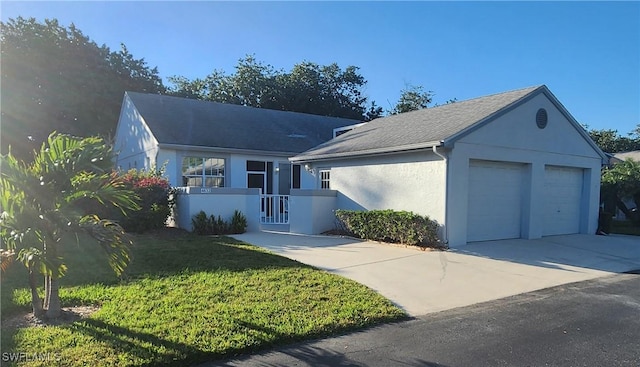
(224, 156)
(508, 165)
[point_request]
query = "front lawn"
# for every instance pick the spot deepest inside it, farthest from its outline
(187, 299)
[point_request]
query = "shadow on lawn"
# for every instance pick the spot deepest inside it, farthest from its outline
(135, 343)
(191, 253)
(153, 255)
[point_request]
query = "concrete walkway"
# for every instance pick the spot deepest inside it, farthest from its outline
(422, 282)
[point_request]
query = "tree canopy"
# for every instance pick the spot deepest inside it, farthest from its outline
(54, 78)
(412, 98)
(621, 181)
(325, 90)
(611, 142)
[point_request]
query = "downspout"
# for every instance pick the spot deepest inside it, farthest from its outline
(445, 234)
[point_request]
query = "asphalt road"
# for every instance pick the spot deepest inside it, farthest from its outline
(591, 323)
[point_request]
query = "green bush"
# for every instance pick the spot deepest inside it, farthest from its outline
(153, 191)
(238, 223)
(200, 223)
(204, 225)
(389, 226)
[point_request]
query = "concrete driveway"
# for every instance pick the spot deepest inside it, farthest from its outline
(422, 282)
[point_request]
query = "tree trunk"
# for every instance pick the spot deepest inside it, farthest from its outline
(47, 291)
(36, 302)
(53, 310)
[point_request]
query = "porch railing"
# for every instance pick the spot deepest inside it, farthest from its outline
(274, 209)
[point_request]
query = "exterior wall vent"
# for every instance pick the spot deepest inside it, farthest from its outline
(541, 118)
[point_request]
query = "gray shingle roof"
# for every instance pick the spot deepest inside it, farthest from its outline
(622, 156)
(188, 122)
(418, 129)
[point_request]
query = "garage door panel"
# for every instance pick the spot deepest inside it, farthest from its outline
(495, 200)
(562, 200)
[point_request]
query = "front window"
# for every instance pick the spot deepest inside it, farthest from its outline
(325, 178)
(203, 172)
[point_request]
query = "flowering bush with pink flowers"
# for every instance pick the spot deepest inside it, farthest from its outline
(153, 191)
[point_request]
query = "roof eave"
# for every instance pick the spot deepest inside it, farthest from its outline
(225, 150)
(450, 141)
(301, 158)
(576, 125)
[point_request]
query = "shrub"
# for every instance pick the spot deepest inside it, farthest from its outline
(238, 223)
(204, 225)
(153, 191)
(200, 223)
(389, 226)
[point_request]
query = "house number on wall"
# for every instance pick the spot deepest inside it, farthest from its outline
(206, 190)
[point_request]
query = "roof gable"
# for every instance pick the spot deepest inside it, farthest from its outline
(187, 122)
(622, 156)
(442, 125)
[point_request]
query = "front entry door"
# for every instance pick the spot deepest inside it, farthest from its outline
(256, 180)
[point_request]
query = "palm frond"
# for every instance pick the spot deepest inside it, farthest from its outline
(112, 238)
(105, 189)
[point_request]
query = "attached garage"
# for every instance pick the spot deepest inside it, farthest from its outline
(495, 200)
(517, 165)
(562, 200)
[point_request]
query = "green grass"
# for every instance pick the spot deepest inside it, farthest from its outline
(187, 299)
(625, 227)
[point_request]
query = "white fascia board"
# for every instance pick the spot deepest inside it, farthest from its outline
(361, 153)
(226, 150)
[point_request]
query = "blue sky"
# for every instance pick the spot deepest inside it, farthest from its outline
(587, 53)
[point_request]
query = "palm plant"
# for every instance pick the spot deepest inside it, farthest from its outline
(48, 202)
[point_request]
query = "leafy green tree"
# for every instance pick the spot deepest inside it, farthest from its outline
(622, 181)
(611, 142)
(373, 112)
(56, 78)
(636, 132)
(412, 98)
(323, 90)
(44, 208)
(310, 88)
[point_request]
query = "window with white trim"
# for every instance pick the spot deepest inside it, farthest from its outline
(203, 172)
(325, 178)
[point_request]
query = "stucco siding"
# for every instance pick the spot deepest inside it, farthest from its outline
(235, 165)
(515, 137)
(219, 202)
(237, 168)
(517, 129)
(135, 145)
(167, 158)
(410, 181)
(312, 211)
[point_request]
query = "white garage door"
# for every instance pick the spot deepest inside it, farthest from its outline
(562, 200)
(495, 200)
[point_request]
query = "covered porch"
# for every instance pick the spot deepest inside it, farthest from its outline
(302, 211)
